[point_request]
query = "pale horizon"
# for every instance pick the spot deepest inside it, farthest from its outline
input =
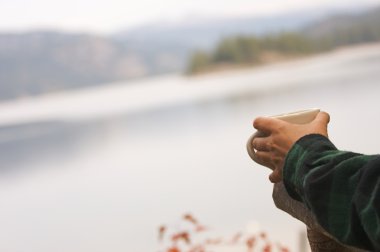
(116, 15)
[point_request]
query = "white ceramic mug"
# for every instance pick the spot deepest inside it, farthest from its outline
(298, 117)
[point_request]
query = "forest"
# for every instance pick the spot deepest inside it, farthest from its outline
(246, 50)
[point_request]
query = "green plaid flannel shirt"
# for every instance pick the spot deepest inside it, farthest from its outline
(341, 188)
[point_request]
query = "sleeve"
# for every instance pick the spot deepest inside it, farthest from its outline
(342, 189)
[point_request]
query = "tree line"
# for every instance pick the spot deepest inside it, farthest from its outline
(254, 50)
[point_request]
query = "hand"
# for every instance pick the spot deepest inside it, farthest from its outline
(278, 137)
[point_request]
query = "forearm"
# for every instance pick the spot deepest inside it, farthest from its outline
(338, 187)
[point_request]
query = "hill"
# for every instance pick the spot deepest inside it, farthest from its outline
(33, 63)
(324, 35)
(37, 62)
(347, 28)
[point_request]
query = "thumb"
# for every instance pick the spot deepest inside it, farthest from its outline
(320, 123)
(322, 118)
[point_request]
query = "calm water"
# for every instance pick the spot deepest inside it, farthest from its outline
(99, 170)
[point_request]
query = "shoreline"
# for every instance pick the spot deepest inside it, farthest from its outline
(347, 63)
(285, 60)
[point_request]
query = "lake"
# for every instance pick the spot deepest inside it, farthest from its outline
(100, 169)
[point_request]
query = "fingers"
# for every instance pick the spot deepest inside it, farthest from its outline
(263, 158)
(266, 124)
(261, 144)
(275, 176)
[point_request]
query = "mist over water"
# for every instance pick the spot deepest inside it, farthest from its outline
(136, 159)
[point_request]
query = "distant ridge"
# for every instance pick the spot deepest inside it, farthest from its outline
(365, 27)
(38, 62)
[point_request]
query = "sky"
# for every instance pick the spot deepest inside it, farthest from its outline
(109, 16)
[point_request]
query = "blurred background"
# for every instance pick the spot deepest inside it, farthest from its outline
(117, 117)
